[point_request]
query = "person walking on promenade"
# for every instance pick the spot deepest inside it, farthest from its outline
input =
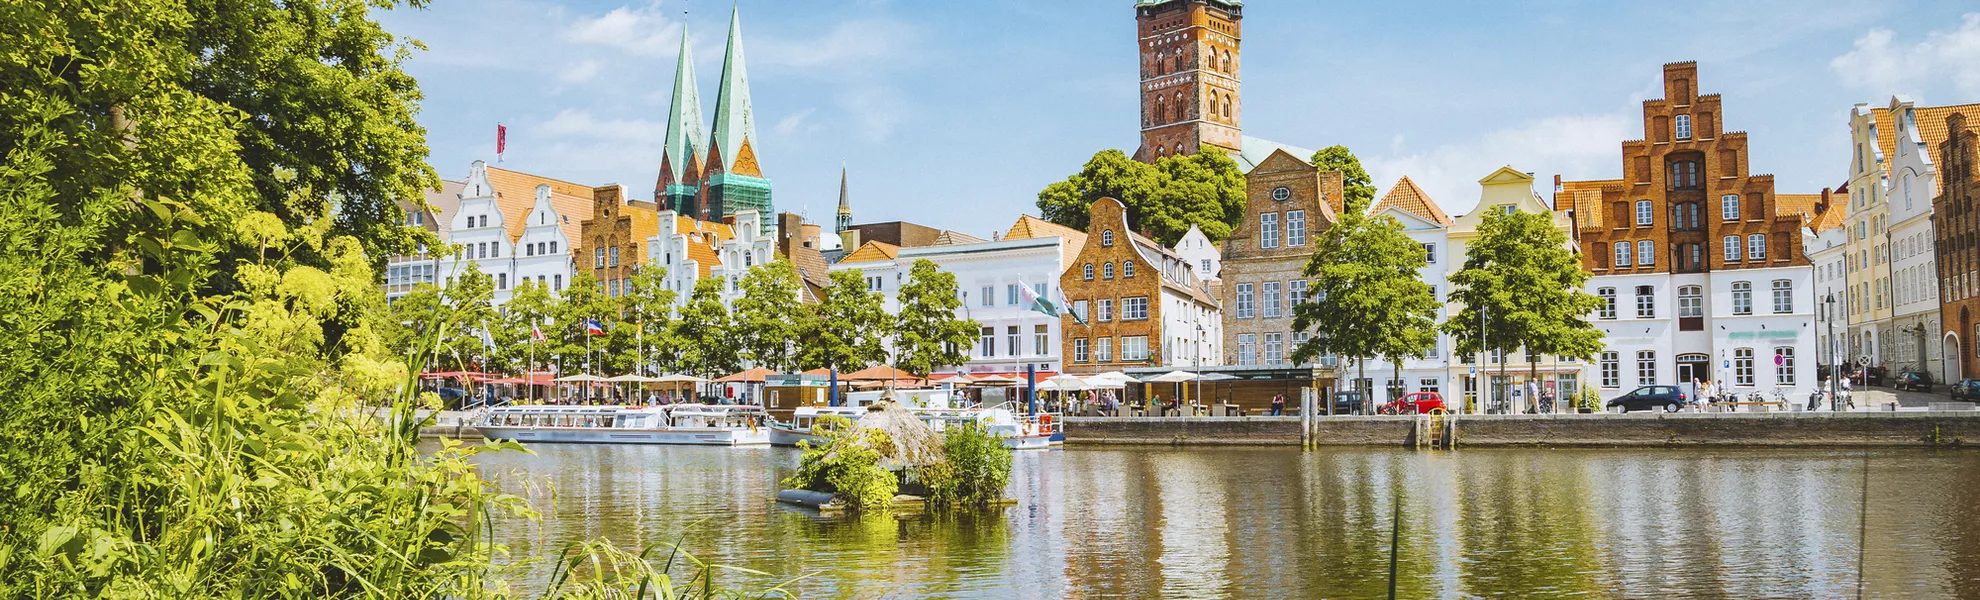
(1278, 404)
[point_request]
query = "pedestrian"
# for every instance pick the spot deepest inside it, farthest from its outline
(1278, 404)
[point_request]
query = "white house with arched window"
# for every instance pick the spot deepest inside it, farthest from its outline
(481, 232)
(1914, 182)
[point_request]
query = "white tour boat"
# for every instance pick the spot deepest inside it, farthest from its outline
(803, 418)
(1019, 433)
(691, 424)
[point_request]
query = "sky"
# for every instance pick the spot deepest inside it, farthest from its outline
(955, 114)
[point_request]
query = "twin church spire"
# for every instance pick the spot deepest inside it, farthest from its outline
(713, 176)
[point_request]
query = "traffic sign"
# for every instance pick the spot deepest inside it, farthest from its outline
(1863, 361)
(1726, 364)
(1778, 360)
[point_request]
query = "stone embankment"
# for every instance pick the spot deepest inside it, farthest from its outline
(1860, 429)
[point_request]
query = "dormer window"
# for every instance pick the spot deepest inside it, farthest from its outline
(1107, 238)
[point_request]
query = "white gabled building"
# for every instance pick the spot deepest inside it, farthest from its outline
(689, 250)
(1505, 190)
(1912, 137)
(1426, 223)
(1825, 241)
(988, 278)
(1203, 256)
(512, 226)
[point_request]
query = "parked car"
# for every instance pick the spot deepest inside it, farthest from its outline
(1868, 376)
(1917, 381)
(1415, 403)
(1650, 397)
(1967, 390)
(1347, 403)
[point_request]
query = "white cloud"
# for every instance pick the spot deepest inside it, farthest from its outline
(1881, 63)
(641, 31)
(580, 73)
(581, 126)
(791, 124)
(874, 110)
(1577, 146)
(857, 46)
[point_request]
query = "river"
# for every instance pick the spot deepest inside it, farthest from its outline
(1282, 523)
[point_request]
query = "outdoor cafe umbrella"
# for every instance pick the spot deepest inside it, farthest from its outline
(994, 380)
(1171, 377)
(1067, 382)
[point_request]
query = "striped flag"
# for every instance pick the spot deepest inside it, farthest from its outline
(536, 334)
(592, 327)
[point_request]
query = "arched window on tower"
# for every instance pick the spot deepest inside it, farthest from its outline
(1179, 116)
(1227, 63)
(1227, 106)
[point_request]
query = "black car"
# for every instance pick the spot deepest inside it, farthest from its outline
(1917, 381)
(1347, 403)
(1650, 397)
(1967, 390)
(1868, 376)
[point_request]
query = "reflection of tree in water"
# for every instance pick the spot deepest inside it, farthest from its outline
(1526, 526)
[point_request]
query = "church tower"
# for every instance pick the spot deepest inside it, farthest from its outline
(1189, 75)
(732, 181)
(678, 188)
(844, 222)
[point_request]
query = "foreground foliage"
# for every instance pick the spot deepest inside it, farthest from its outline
(846, 464)
(976, 468)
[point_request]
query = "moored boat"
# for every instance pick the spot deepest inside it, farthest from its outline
(803, 419)
(1019, 433)
(684, 424)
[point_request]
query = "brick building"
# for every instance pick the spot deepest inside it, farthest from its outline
(1959, 244)
(714, 176)
(1189, 75)
(614, 240)
(1143, 305)
(1287, 202)
(1699, 261)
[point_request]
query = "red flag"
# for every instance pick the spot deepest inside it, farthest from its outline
(536, 334)
(501, 139)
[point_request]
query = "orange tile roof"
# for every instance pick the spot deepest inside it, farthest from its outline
(1797, 205)
(515, 193)
(872, 251)
(1833, 217)
(950, 237)
(1406, 197)
(1071, 240)
(704, 239)
(1931, 130)
(1585, 197)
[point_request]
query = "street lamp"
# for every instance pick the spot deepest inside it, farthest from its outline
(1197, 359)
(1835, 367)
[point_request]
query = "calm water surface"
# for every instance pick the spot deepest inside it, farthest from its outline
(1281, 523)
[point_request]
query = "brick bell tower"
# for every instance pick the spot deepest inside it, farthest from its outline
(1189, 75)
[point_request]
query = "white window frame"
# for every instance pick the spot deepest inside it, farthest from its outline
(1295, 228)
(1731, 244)
(1742, 297)
(1784, 372)
(1134, 348)
(1783, 296)
(1729, 207)
(1691, 301)
(1646, 253)
(1622, 254)
(1743, 367)
(1611, 369)
(1134, 308)
(1079, 349)
(1644, 216)
(1244, 301)
(1646, 367)
(1608, 309)
(1756, 246)
(1646, 304)
(1269, 296)
(1683, 126)
(1268, 230)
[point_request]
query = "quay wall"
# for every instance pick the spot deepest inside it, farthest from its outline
(1856, 429)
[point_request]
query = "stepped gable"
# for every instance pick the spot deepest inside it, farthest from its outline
(515, 193)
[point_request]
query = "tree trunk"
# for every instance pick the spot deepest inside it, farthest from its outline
(1396, 362)
(1361, 373)
(1533, 376)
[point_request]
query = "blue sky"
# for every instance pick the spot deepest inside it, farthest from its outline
(955, 114)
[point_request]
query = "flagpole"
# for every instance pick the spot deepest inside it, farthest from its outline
(587, 361)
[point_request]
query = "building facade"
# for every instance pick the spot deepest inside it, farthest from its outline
(404, 273)
(1912, 183)
(1189, 75)
(497, 229)
(1492, 381)
(1699, 263)
(615, 239)
(1959, 244)
(1287, 202)
(1426, 223)
(1867, 253)
(1200, 253)
(989, 275)
(1825, 241)
(1141, 304)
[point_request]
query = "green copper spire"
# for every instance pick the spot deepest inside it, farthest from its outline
(684, 138)
(734, 121)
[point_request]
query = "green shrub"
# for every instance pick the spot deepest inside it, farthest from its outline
(976, 470)
(848, 465)
(1589, 399)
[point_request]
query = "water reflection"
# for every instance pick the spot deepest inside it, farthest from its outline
(1193, 523)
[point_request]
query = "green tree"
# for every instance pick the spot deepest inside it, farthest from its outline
(530, 308)
(469, 297)
(584, 300)
(1205, 189)
(412, 319)
(705, 332)
(1357, 187)
(1521, 274)
(849, 328)
(1367, 298)
(927, 334)
(648, 307)
(770, 317)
